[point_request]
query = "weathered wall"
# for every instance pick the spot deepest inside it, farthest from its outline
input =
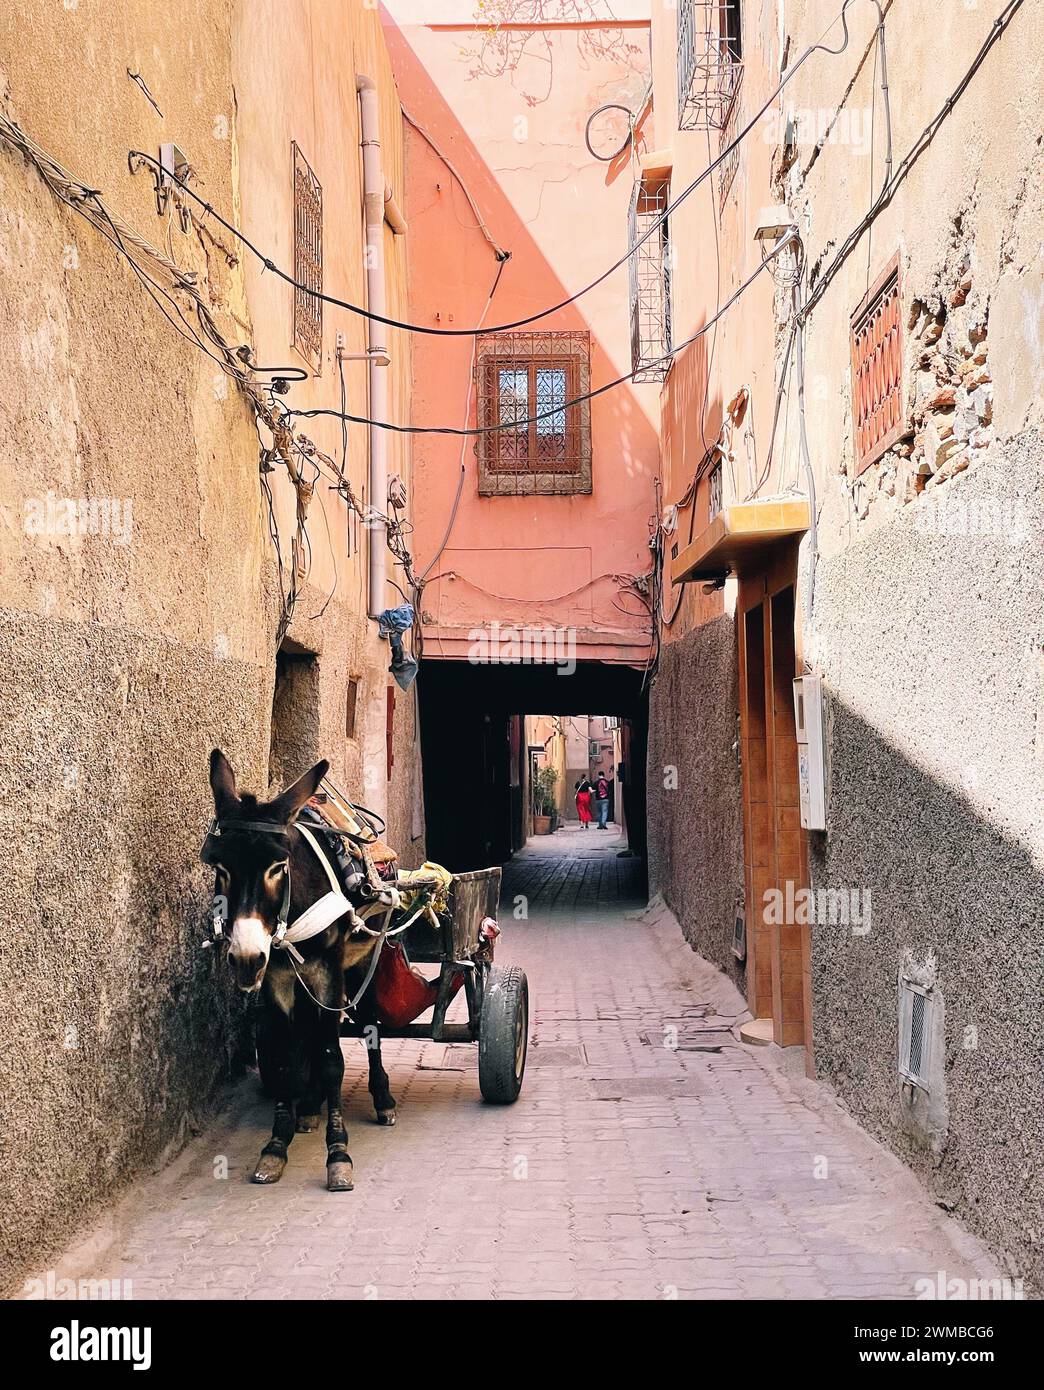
(695, 830)
(115, 1034)
(294, 67)
(924, 617)
(695, 812)
(131, 654)
(516, 136)
(928, 607)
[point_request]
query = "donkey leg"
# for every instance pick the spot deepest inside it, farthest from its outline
(274, 1155)
(331, 1062)
(309, 1107)
(380, 1090)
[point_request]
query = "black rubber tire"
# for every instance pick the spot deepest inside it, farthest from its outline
(503, 1034)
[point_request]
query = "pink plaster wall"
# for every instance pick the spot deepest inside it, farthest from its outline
(517, 139)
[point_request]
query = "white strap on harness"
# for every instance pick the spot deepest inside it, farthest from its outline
(317, 918)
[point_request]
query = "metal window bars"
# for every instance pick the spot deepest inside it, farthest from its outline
(650, 277)
(710, 64)
(528, 378)
(308, 262)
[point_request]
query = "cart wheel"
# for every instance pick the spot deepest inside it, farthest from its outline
(503, 1034)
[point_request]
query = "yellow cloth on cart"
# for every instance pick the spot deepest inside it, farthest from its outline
(440, 900)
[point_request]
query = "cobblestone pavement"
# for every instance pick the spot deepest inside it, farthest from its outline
(627, 1169)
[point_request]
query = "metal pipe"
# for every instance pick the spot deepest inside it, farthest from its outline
(392, 214)
(374, 189)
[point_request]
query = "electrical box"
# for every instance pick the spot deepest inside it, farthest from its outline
(808, 717)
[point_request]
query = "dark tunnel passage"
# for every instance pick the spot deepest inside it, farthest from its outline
(475, 756)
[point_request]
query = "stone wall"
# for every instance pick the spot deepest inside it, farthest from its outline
(927, 609)
(695, 808)
(140, 629)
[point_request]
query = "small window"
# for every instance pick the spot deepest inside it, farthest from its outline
(710, 62)
(350, 708)
(714, 492)
(308, 262)
(537, 440)
(877, 369)
(650, 273)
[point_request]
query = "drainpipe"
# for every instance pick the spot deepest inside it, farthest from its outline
(375, 197)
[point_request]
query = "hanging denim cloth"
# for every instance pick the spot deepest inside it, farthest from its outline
(392, 623)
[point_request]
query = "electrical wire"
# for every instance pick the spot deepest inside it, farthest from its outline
(558, 409)
(1000, 24)
(270, 265)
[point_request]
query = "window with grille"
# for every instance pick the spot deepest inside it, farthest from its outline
(728, 168)
(536, 440)
(650, 273)
(877, 369)
(308, 262)
(710, 62)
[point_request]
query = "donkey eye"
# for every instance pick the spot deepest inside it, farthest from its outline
(277, 870)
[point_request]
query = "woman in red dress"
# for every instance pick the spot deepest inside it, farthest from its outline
(583, 802)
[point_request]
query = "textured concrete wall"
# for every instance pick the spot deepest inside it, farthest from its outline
(927, 614)
(131, 651)
(936, 798)
(695, 810)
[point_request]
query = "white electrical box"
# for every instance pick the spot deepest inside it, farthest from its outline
(808, 717)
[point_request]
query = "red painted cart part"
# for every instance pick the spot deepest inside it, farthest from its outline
(402, 994)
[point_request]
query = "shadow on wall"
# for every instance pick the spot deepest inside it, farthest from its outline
(955, 900)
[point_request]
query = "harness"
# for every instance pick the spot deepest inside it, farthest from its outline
(384, 897)
(325, 910)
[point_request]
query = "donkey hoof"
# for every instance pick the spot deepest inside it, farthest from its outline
(269, 1168)
(339, 1176)
(307, 1124)
(386, 1117)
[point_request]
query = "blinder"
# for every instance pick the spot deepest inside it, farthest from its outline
(210, 854)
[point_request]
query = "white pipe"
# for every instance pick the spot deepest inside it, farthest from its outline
(374, 190)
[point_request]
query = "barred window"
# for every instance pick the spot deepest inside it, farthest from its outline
(536, 440)
(710, 62)
(877, 369)
(308, 262)
(650, 272)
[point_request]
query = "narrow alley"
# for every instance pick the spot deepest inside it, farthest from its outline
(636, 1168)
(522, 711)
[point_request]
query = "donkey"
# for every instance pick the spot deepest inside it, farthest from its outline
(266, 873)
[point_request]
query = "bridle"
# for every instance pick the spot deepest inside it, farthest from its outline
(325, 910)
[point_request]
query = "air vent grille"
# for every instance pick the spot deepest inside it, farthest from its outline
(915, 1033)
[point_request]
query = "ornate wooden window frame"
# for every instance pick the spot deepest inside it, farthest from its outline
(502, 476)
(878, 419)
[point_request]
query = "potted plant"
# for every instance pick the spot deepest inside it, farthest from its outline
(544, 800)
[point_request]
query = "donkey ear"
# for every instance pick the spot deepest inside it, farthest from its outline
(288, 803)
(222, 782)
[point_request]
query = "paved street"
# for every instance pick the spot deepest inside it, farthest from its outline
(627, 1169)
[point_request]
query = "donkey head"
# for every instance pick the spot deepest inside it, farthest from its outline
(251, 858)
